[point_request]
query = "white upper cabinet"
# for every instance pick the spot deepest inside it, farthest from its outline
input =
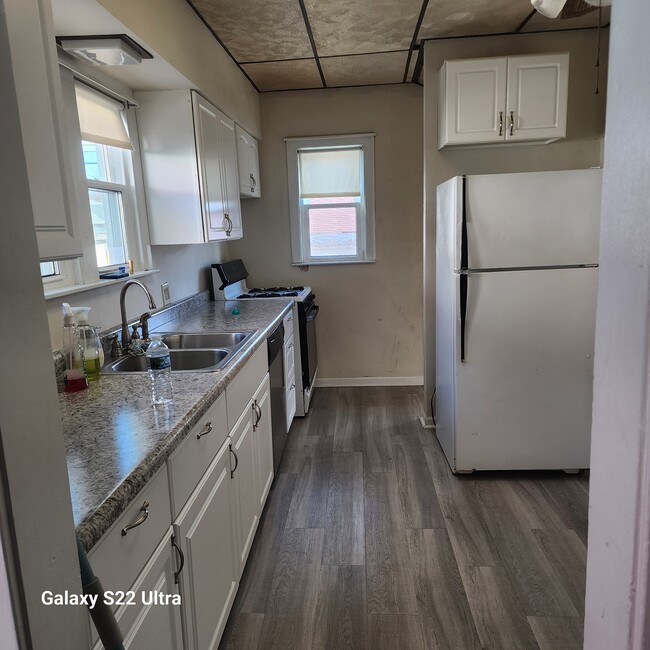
(536, 104)
(503, 100)
(249, 164)
(44, 127)
(189, 158)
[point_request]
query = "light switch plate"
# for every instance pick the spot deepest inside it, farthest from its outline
(164, 287)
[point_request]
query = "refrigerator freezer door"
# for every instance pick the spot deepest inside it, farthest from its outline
(523, 395)
(532, 219)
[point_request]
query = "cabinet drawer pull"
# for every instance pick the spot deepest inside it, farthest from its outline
(258, 415)
(181, 560)
(206, 430)
(500, 122)
(139, 521)
(234, 469)
(512, 122)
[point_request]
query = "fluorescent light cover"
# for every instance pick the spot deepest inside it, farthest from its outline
(102, 51)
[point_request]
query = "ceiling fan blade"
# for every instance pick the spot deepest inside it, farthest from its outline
(549, 8)
(576, 8)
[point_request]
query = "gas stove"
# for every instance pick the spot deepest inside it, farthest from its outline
(273, 292)
(229, 282)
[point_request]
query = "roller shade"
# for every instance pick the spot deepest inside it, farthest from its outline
(330, 172)
(100, 118)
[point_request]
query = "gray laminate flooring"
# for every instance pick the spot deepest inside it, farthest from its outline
(369, 541)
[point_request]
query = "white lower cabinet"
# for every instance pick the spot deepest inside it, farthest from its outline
(263, 441)
(206, 533)
(246, 484)
(217, 486)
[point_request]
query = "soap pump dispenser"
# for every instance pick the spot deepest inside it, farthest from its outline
(90, 343)
(75, 372)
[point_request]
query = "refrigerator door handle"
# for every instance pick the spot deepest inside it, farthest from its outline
(463, 313)
(464, 262)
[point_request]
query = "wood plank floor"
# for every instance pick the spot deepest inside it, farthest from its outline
(369, 541)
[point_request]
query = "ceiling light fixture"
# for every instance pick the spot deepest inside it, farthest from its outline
(107, 49)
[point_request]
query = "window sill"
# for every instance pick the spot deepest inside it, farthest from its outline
(331, 262)
(79, 288)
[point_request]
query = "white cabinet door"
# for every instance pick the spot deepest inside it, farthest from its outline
(263, 440)
(248, 162)
(246, 484)
(151, 617)
(254, 165)
(537, 97)
(42, 118)
(205, 531)
(472, 101)
(230, 177)
(207, 125)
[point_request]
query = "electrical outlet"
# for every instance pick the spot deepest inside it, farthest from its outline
(164, 287)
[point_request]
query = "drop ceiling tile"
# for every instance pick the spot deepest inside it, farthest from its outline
(539, 23)
(284, 75)
(472, 17)
(361, 69)
(258, 30)
(362, 26)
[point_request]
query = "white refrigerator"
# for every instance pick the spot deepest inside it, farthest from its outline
(516, 281)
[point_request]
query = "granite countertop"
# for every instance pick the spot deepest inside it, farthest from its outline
(116, 440)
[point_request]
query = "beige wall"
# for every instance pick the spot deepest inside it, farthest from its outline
(370, 323)
(186, 268)
(581, 149)
(176, 33)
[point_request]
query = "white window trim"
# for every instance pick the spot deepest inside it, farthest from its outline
(298, 212)
(84, 272)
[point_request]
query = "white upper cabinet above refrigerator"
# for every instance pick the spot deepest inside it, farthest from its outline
(503, 100)
(189, 159)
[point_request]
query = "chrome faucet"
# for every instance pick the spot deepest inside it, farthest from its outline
(126, 338)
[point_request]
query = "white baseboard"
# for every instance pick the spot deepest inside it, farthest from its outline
(427, 423)
(341, 382)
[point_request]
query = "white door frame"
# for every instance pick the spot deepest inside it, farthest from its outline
(36, 524)
(617, 612)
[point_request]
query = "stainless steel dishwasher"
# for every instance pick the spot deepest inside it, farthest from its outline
(278, 398)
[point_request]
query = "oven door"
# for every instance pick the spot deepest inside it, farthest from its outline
(308, 350)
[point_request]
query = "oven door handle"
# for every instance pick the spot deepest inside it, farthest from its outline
(312, 313)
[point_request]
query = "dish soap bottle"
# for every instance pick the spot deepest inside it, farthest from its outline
(75, 373)
(160, 365)
(89, 340)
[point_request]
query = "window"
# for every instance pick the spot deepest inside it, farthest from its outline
(106, 148)
(106, 183)
(331, 193)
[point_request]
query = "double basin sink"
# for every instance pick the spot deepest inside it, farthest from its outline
(189, 352)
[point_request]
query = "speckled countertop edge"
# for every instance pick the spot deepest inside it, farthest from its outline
(96, 522)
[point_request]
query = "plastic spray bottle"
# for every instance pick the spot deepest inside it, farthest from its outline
(90, 343)
(75, 373)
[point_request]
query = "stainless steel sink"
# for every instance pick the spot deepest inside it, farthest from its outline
(189, 352)
(187, 341)
(187, 360)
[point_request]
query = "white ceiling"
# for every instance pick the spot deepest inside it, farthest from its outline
(292, 44)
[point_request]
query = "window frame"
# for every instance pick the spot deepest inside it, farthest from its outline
(365, 208)
(85, 270)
